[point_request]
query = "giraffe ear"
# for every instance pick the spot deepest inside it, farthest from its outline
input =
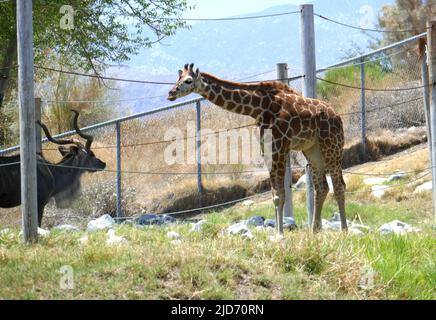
(197, 73)
(180, 73)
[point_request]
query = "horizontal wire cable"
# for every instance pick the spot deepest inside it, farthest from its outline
(365, 29)
(236, 18)
(365, 61)
(164, 141)
(103, 77)
(381, 108)
(213, 172)
(372, 89)
(160, 96)
(104, 101)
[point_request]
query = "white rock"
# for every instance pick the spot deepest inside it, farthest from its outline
(424, 187)
(355, 231)
(260, 228)
(397, 227)
(173, 235)
(276, 237)
(238, 228)
(196, 227)
(379, 190)
(114, 239)
(83, 240)
(66, 227)
(360, 227)
(248, 203)
(374, 181)
(247, 235)
(104, 222)
(397, 176)
(43, 232)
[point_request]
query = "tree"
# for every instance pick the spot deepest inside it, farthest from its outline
(405, 15)
(86, 34)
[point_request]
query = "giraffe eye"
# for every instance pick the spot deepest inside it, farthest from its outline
(188, 81)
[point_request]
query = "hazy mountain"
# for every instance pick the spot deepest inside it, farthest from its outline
(236, 49)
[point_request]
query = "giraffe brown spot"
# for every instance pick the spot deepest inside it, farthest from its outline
(247, 99)
(296, 125)
(227, 94)
(230, 105)
(237, 97)
(255, 101)
(219, 100)
(216, 88)
(212, 95)
(274, 107)
(238, 109)
(246, 110)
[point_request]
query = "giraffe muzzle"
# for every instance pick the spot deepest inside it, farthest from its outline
(172, 95)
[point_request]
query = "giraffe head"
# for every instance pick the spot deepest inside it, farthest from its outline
(189, 81)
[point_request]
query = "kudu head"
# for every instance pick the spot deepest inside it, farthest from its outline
(82, 156)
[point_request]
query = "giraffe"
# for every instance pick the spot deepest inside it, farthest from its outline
(296, 123)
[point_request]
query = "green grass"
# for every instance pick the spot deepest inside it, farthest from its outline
(348, 76)
(213, 265)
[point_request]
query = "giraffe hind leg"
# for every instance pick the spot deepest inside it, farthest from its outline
(335, 170)
(339, 190)
(314, 157)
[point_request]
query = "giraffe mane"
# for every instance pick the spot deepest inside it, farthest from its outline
(263, 85)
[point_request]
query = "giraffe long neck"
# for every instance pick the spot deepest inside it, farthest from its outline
(235, 97)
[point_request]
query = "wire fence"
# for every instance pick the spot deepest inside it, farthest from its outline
(157, 160)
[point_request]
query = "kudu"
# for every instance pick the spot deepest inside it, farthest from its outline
(59, 180)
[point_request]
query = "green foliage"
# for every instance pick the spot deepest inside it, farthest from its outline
(105, 30)
(405, 15)
(374, 71)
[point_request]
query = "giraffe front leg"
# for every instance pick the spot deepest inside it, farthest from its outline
(278, 192)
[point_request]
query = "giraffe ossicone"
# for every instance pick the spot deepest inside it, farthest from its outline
(293, 122)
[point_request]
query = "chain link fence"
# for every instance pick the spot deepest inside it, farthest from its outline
(147, 174)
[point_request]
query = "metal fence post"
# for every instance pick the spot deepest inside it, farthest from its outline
(119, 193)
(198, 146)
(282, 75)
(431, 52)
(362, 107)
(308, 58)
(425, 91)
(29, 206)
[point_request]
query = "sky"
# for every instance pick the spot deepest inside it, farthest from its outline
(220, 8)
